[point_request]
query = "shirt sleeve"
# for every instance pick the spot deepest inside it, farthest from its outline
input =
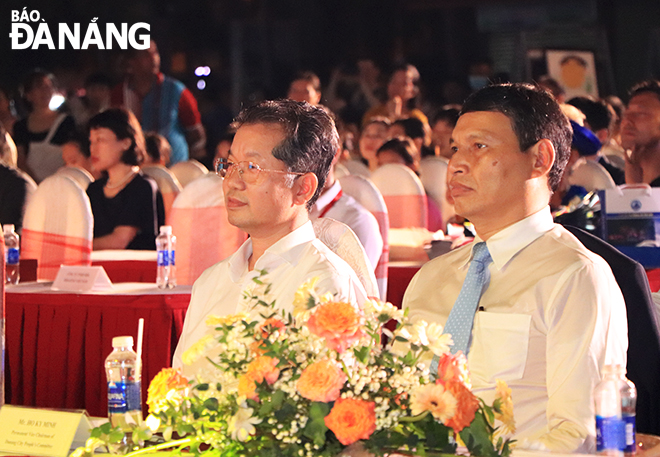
(188, 111)
(586, 329)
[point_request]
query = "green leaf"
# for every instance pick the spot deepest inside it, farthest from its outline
(211, 404)
(316, 428)
(115, 436)
(96, 433)
(277, 398)
(202, 387)
(106, 428)
(362, 354)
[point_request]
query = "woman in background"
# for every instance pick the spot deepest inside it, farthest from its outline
(127, 206)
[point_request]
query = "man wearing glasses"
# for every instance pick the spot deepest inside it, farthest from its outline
(275, 171)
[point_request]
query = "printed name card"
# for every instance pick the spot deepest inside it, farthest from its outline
(81, 279)
(42, 432)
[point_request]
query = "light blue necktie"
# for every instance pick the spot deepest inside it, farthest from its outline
(461, 316)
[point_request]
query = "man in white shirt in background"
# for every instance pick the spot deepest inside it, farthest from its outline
(551, 315)
(277, 166)
(335, 204)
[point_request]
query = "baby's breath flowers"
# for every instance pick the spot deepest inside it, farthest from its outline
(316, 381)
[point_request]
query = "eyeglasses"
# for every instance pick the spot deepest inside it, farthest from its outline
(248, 171)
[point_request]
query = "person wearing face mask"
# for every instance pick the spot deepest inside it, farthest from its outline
(40, 136)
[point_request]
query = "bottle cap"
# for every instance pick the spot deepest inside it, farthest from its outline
(122, 341)
(8, 228)
(166, 229)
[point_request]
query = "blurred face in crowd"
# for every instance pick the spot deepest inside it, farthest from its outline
(302, 90)
(373, 136)
(106, 149)
(640, 125)
(402, 85)
(441, 134)
(41, 93)
(147, 61)
(487, 174)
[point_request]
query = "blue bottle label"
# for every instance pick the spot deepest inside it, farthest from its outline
(630, 432)
(172, 258)
(11, 256)
(124, 397)
(610, 433)
(163, 258)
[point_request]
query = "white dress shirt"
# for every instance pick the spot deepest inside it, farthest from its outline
(550, 319)
(347, 210)
(290, 262)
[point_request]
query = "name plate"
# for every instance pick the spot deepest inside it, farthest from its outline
(42, 432)
(81, 279)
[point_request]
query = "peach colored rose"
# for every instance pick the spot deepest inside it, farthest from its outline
(466, 405)
(435, 399)
(453, 367)
(337, 322)
(321, 381)
(261, 368)
(164, 387)
(351, 420)
(265, 330)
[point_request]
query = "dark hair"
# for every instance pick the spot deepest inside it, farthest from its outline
(598, 115)
(577, 58)
(157, 147)
(447, 114)
(80, 139)
(551, 85)
(404, 67)
(401, 146)
(413, 127)
(119, 121)
(34, 77)
(310, 77)
(382, 120)
(311, 139)
(534, 115)
(650, 85)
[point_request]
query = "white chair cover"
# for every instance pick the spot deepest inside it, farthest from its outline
(58, 226)
(590, 175)
(356, 167)
(368, 195)
(433, 174)
(341, 170)
(404, 195)
(344, 242)
(188, 171)
(204, 235)
(168, 185)
(80, 176)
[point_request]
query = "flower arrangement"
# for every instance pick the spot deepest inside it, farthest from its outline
(314, 383)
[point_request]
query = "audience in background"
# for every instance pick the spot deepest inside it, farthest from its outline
(158, 150)
(75, 153)
(443, 125)
(96, 99)
(374, 134)
(305, 87)
(13, 191)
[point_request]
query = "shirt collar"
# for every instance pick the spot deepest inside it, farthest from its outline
(287, 249)
(326, 197)
(508, 242)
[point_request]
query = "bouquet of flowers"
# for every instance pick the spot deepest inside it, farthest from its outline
(316, 382)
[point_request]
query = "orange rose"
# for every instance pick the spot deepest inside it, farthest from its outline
(266, 329)
(466, 405)
(259, 369)
(352, 420)
(338, 323)
(164, 386)
(321, 381)
(453, 367)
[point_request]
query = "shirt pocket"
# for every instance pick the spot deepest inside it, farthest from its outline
(499, 346)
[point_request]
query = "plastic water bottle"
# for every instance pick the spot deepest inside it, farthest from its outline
(12, 254)
(610, 427)
(628, 407)
(166, 247)
(123, 368)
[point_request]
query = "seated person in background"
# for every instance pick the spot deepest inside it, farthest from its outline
(277, 167)
(599, 118)
(13, 191)
(443, 124)
(158, 150)
(333, 203)
(223, 147)
(75, 153)
(550, 315)
(399, 150)
(95, 100)
(373, 135)
(586, 171)
(640, 134)
(417, 131)
(127, 206)
(305, 87)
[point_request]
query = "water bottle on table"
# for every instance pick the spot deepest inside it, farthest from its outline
(615, 400)
(12, 254)
(166, 247)
(123, 370)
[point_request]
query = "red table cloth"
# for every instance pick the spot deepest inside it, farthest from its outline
(57, 342)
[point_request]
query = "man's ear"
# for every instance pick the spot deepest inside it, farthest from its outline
(543, 157)
(304, 188)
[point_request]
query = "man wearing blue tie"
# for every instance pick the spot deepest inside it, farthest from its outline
(526, 302)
